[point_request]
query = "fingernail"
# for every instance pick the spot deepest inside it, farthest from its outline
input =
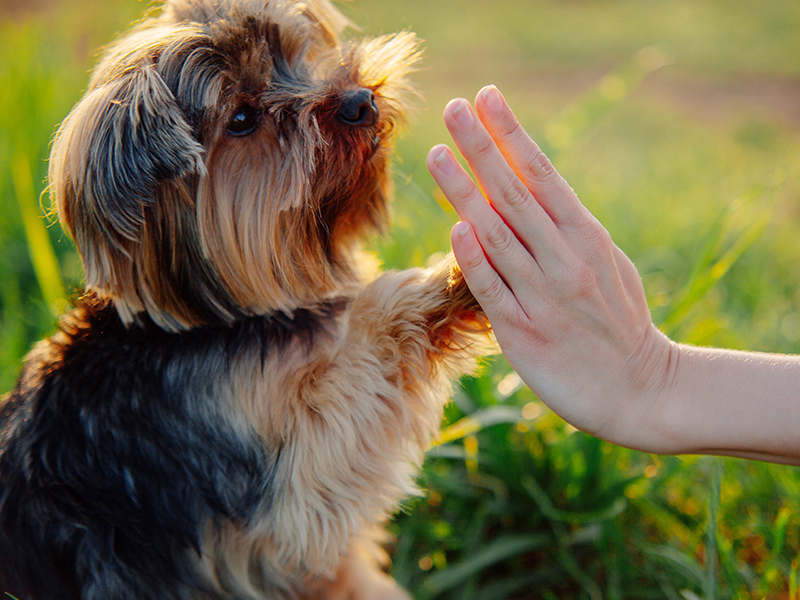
(460, 230)
(492, 98)
(462, 113)
(444, 161)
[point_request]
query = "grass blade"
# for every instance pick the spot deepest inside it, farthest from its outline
(509, 586)
(710, 581)
(498, 550)
(707, 271)
(684, 565)
(557, 518)
(544, 504)
(479, 420)
(43, 256)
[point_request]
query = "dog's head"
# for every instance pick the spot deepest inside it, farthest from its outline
(227, 157)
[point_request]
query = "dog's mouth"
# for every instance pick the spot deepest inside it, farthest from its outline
(374, 145)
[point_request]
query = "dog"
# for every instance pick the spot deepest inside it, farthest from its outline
(236, 403)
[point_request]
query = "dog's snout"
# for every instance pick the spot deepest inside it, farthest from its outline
(358, 108)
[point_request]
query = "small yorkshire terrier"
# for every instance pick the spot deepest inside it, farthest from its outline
(233, 408)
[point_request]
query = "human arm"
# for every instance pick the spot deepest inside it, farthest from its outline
(569, 311)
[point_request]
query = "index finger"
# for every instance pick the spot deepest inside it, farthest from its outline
(526, 158)
(518, 214)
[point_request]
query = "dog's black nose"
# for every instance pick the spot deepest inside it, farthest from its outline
(358, 108)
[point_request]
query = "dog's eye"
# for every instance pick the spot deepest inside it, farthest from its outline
(244, 121)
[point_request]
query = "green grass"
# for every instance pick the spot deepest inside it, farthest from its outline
(705, 198)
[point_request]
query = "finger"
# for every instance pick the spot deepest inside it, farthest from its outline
(582, 232)
(495, 297)
(458, 187)
(527, 160)
(512, 260)
(506, 192)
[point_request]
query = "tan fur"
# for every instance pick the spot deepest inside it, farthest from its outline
(177, 219)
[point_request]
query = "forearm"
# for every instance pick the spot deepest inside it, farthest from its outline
(731, 403)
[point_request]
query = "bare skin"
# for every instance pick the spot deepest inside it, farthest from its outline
(570, 314)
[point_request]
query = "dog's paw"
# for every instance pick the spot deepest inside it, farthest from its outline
(459, 316)
(459, 293)
(357, 579)
(381, 587)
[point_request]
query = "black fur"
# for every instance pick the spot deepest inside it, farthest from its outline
(146, 141)
(115, 453)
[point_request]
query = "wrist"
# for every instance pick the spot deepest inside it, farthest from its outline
(671, 408)
(644, 393)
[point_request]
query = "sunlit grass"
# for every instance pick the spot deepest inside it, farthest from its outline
(519, 504)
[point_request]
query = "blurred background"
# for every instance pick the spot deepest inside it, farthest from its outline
(678, 124)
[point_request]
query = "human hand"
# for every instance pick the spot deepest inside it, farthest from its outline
(566, 304)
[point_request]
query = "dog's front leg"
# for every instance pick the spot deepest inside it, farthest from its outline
(355, 421)
(415, 330)
(421, 323)
(359, 577)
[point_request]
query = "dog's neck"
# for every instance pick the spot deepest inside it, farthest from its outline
(278, 327)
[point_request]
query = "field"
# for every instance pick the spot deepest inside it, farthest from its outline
(678, 124)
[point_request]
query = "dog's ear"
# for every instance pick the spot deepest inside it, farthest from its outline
(124, 138)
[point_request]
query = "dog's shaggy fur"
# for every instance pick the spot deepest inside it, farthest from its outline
(232, 409)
